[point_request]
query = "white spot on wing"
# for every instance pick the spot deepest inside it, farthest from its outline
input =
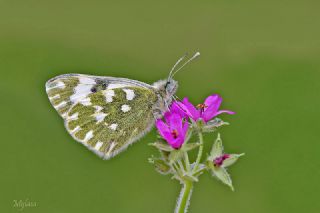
(54, 97)
(98, 145)
(129, 94)
(73, 116)
(75, 130)
(86, 80)
(85, 101)
(112, 145)
(83, 89)
(88, 136)
(113, 126)
(108, 94)
(100, 116)
(125, 108)
(98, 108)
(60, 105)
(115, 86)
(59, 85)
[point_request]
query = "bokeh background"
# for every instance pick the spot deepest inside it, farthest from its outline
(261, 56)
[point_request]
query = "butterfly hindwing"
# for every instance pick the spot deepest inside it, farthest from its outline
(105, 114)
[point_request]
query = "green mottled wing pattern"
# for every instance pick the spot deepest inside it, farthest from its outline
(59, 91)
(105, 114)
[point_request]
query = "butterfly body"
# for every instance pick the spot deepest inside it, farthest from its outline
(107, 114)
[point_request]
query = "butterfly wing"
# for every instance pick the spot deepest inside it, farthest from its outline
(105, 114)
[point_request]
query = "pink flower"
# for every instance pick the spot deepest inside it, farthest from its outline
(206, 111)
(175, 108)
(174, 130)
(218, 161)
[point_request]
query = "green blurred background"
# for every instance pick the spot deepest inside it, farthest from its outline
(261, 56)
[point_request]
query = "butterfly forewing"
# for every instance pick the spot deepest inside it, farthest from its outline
(105, 114)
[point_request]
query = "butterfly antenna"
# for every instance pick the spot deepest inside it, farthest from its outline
(187, 62)
(176, 98)
(176, 64)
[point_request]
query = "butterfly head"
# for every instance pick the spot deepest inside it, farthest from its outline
(166, 88)
(171, 87)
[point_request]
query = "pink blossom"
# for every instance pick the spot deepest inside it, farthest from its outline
(206, 111)
(173, 130)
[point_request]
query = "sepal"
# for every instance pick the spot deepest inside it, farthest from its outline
(212, 125)
(231, 159)
(189, 146)
(162, 146)
(221, 174)
(175, 155)
(217, 149)
(160, 165)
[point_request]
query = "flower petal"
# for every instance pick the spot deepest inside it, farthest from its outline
(190, 110)
(214, 99)
(177, 143)
(185, 128)
(225, 111)
(175, 108)
(163, 130)
(213, 103)
(175, 122)
(167, 116)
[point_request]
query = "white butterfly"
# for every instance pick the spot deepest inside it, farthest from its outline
(106, 114)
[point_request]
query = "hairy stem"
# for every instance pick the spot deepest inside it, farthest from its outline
(199, 152)
(184, 197)
(186, 159)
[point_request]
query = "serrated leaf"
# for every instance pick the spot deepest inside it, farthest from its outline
(231, 159)
(217, 149)
(222, 174)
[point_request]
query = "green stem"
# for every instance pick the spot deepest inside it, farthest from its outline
(186, 159)
(184, 197)
(199, 152)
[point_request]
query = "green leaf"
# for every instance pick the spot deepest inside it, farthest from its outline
(217, 149)
(162, 146)
(231, 160)
(222, 174)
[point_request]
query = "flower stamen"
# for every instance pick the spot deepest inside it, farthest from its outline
(202, 107)
(175, 134)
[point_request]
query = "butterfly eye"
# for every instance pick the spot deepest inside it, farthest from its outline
(167, 84)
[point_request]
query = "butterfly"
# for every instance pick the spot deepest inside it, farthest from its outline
(107, 114)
